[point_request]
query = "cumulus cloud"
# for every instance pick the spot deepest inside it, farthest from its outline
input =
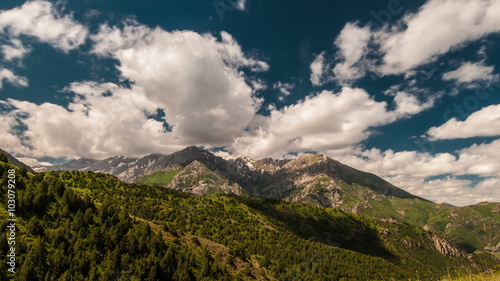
(407, 104)
(419, 38)
(9, 76)
(325, 121)
(435, 29)
(195, 78)
(9, 137)
(459, 192)
(232, 54)
(32, 162)
(470, 72)
(482, 123)
(481, 159)
(353, 46)
(42, 21)
(100, 121)
(411, 169)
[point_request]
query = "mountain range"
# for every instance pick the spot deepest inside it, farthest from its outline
(309, 179)
(73, 225)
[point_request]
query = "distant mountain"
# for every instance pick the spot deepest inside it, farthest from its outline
(268, 178)
(129, 169)
(309, 179)
(13, 160)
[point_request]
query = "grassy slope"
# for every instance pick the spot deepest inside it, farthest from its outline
(159, 178)
(481, 277)
(472, 227)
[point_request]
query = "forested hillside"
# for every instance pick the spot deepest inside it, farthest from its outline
(309, 179)
(90, 226)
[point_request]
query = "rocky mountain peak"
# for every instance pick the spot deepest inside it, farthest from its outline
(243, 158)
(269, 165)
(306, 160)
(192, 150)
(198, 178)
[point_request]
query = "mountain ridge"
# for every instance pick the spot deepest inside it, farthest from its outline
(309, 179)
(14, 161)
(240, 168)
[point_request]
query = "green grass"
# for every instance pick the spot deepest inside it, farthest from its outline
(159, 178)
(480, 277)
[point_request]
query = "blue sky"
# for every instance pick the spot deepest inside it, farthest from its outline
(408, 90)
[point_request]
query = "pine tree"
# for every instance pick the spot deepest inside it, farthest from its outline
(3, 158)
(35, 227)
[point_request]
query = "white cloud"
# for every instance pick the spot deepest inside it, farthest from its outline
(32, 162)
(353, 46)
(326, 120)
(419, 38)
(232, 54)
(481, 159)
(407, 105)
(9, 76)
(284, 89)
(322, 122)
(317, 70)
(195, 78)
(482, 123)
(14, 50)
(410, 169)
(470, 72)
(258, 85)
(94, 124)
(435, 29)
(41, 20)
(222, 154)
(459, 192)
(241, 5)
(9, 138)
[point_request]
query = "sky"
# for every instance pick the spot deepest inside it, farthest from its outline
(406, 89)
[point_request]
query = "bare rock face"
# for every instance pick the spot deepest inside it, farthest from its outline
(269, 165)
(444, 247)
(319, 190)
(197, 178)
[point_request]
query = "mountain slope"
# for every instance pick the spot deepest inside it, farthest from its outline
(130, 169)
(197, 178)
(91, 225)
(309, 179)
(13, 160)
